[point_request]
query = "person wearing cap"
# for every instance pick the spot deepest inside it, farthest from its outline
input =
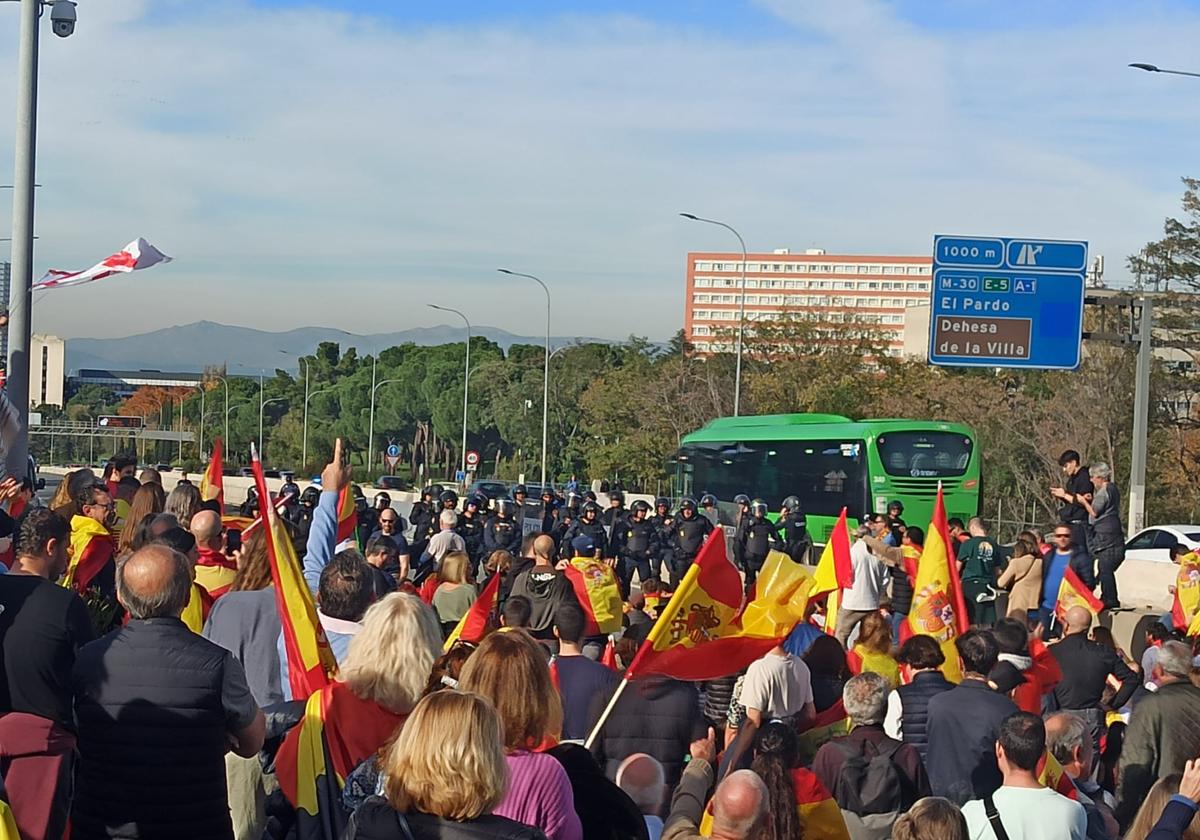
(546, 588)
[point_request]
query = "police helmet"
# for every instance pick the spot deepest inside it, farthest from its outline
(478, 501)
(791, 504)
(616, 496)
(360, 503)
(357, 491)
(547, 493)
(741, 499)
(310, 496)
(289, 488)
(383, 498)
(448, 498)
(662, 501)
(520, 490)
(592, 508)
(590, 495)
(427, 492)
(896, 505)
(504, 507)
(708, 500)
(640, 504)
(251, 494)
(758, 507)
(687, 504)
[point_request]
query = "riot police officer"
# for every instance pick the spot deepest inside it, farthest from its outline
(308, 503)
(501, 531)
(793, 529)
(520, 495)
(423, 515)
(548, 514)
(663, 523)
(636, 544)
(613, 520)
(709, 509)
(470, 527)
(896, 526)
(588, 524)
(758, 537)
(690, 531)
(250, 505)
(742, 519)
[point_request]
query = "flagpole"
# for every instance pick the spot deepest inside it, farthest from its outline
(656, 633)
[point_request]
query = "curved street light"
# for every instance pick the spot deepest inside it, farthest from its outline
(546, 373)
(1154, 68)
(466, 384)
(307, 397)
(737, 375)
(371, 422)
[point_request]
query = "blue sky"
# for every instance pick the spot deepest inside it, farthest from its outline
(343, 163)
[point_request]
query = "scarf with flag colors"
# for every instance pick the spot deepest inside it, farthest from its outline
(310, 662)
(347, 515)
(819, 811)
(474, 624)
(91, 548)
(835, 570)
(705, 633)
(1073, 593)
(212, 483)
(1186, 606)
(598, 594)
(938, 607)
(197, 609)
(338, 731)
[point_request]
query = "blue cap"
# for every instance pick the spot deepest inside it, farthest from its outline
(583, 545)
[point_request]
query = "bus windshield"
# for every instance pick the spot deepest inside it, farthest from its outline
(924, 454)
(826, 475)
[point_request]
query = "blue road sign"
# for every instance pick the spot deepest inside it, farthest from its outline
(393, 451)
(1001, 302)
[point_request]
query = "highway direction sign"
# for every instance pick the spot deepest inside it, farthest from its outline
(1001, 302)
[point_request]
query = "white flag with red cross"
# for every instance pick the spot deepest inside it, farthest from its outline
(135, 256)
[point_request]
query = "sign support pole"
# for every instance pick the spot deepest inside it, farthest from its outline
(1141, 419)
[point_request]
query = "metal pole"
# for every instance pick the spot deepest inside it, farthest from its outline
(466, 390)
(1141, 419)
(180, 434)
(371, 421)
(262, 405)
(546, 372)
(737, 375)
(225, 382)
(20, 296)
(200, 445)
(304, 445)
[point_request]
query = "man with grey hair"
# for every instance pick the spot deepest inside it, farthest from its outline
(853, 766)
(444, 541)
(1164, 730)
(1106, 537)
(1069, 740)
(157, 709)
(641, 776)
(738, 806)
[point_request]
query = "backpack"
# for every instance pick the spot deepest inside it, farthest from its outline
(869, 781)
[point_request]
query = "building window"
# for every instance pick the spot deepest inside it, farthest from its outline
(914, 269)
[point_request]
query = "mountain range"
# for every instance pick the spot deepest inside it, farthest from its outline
(191, 347)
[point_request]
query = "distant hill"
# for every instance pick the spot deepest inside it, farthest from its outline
(189, 348)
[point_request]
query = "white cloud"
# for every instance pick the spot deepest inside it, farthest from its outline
(310, 167)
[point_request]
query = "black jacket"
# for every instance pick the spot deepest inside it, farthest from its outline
(690, 534)
(546, 590)
(914, 707)
(1085, 668)
(375, 819)
(963, 725)
(654, 715)
(605, 811)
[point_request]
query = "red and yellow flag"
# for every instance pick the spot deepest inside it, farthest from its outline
(938, 608)
(212, 484)
(473, 626)
(819, 812)
(1186, 606)
(598, 593)
(347, 515)
(1073, 593)
(835, 570)
(91, 549)
(310, 662)
(1052, 775)
(704, 633)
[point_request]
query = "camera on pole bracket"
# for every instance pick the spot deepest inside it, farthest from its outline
(62, 18)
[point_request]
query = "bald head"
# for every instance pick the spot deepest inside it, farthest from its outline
(739, 806)
(1079, 620)
(641, 776)
(543, 549)
(154, 582)
(206, 528)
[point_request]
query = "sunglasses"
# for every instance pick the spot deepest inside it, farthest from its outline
(1061, 536)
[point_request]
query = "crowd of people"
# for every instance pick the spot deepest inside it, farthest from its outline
(152, 688)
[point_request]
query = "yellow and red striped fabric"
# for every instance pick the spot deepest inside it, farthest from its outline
(835, 571)
(598, 594)
(820, 816)
(473, 626)
(347, 515)
(938, 608)
(1073, 593)
(212, 483)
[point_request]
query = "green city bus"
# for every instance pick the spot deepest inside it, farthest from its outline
(831, 462)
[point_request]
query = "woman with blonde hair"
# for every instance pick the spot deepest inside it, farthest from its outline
(455, 592)
(1152, 809)
(149, 498)
(445, 792)
(379, 682)
(873, 650)
(183, 501)
(931, 818)
(1022, 577)
(511, 671)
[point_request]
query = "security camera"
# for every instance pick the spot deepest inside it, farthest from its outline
(62, 18)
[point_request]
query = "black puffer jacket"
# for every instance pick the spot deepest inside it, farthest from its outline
(375, 819)
(655, 715)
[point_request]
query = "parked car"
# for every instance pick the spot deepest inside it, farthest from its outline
(1147, 572)
(162, 467)
(391, 482)
(491, 489)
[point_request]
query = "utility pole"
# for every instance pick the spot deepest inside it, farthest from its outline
(1141, 418)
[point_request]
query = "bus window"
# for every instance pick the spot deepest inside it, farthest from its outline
(924, 454)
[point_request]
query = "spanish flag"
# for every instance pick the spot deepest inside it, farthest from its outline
(835, 570)
(598, 594)
(938, 608)
(212, 484)
(1052, 775)
(827, 725)
(91, 549)
(473, 626)
(704, 633)
(1073, 593)
(347, 515)
(1186, 606)
(198, 606)
(310, 662)
(819, 812)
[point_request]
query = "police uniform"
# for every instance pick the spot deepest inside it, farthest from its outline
(502, 534)
(793, 534)
(758, 537)
(636, 545)
(688, 536)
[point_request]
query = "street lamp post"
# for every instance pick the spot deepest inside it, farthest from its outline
(371, 422)
(546, 373)
(737, 375)
(307, 397)
(466, 387)
(1152, 68)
